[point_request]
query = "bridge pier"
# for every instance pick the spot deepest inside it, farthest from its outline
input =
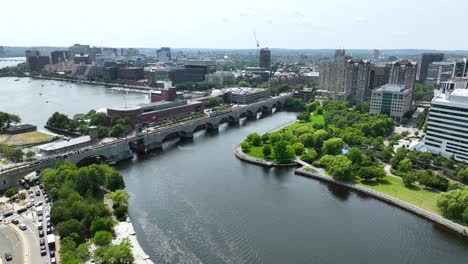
(186, 135)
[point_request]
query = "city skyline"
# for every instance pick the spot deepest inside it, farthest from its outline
(186, 24)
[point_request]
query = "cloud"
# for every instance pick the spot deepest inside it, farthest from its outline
(361, 19)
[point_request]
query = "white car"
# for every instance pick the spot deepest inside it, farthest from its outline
(39, 219)
(22, 227)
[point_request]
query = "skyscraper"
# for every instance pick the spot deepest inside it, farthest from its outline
(426, 59)
(59, 56)
(376, 54)
(357, 77)
(264, 58)
(164, 54)
(461, 68)
(403, 72)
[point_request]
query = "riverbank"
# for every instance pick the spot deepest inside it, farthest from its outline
(145, 88)
(126, 230)
(388, 199)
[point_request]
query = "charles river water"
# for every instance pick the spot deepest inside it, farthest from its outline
(194, 202)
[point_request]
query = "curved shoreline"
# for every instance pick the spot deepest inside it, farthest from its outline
(452, 226)
(257, 161)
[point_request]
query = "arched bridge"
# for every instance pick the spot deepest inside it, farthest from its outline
(119, 149)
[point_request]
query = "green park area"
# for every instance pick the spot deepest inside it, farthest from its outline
(25, 139)
(349, 144)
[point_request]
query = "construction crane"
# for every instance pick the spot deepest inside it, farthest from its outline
(255, 36)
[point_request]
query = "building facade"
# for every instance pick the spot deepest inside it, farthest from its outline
(393, 100)
(58, 56)
(264, 58)
(332, 76)
(37, 63)
(357, 77)
(164, 54)
(403, 72)
(306, 94)
(438, 72)
(447, 126)
(247, 95)
(426, 60)
(461, 68)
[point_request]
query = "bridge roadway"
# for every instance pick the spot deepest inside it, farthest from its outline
(115, 150)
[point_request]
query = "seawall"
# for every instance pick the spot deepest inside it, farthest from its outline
(391, 200)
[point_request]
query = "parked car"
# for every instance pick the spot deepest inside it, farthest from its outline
(8, 256)
(27, 187)
(40, 227)
(52, 261)
(23, 227)
(49, 230)
(41, 186)
(52, 253)
(38, 204)
(43, 250)
(41, 233)
(31, 192)
(48, 224)
(30, 205)
(39, 218)
(15, 221)
(38, 193)
(42, 241)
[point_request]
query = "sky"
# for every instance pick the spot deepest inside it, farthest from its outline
(294, 24)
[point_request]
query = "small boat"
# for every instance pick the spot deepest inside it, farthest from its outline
(42, 85)
(40, 93)
(47, 102)
(16, 80)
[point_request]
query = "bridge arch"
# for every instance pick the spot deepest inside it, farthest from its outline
(92, 159)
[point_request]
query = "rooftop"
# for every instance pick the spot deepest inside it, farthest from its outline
(63, 144)
(244, 90)
(394, 88)
(460, 92)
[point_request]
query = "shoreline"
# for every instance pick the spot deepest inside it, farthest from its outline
(110, 85)
(125, 229)
(437, 219)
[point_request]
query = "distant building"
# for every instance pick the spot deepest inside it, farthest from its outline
(403, 72)
(426, 60)
(438, 72)
(332, 76)
(13, 130)
(130, 73)
(447, 125)
(452, 84)
(65, 145)
(37, 63)
(169, 94)
(393, 100)
(264, 58)
(164, 54)
(306, 94)
(357, 78)
(379, 76)
(130, 52)
(82, 58)
(59, 56)
(263, 73)
(2, 50)
(30, 53)
(220, 77)
(247, 95)
(376, 54)
(461, 68)
(78, 49)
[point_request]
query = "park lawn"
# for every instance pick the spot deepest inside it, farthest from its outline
(416, 195)
(256, 152)
(29, 138)
(314, 119)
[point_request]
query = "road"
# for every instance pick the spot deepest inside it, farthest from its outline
(10, 241)
(30, 235)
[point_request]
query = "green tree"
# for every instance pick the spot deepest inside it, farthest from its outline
(101, 224)
(245, 146)
(309, 156)
(254, 139)
(454, 204)
(307, 139)
(71, 226)
(298, 148)
(283, 152)
(11, 192)
(355, 155)
(405, 165)
(408, 179)
(332, 146)
(386, 154)
(463, 175)
(244, 84)
(372, 172)
(102, 238)
(212, 102)
(118, 130)
(266, 151)
(319, 137)
(339, 167)
(399, 156)
(304, 117)
(265, 137)
(6, 119)
(117, 254)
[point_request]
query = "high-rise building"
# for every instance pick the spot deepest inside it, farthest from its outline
(345, 79)
(403, 72)
(461, 68)
(59, 56)
(447, 125)
(426, 59)
(37, 63)
(438, 72)
(376, 54)
(164, 54)
(357, 77)
(78, 49)
(30, 53)
(2, 50)
(393, 100)
(264, 58)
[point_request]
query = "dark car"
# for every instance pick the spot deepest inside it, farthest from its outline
(38, 193)
(48, 224)
(52, 253)
(41, 186)
(43, 250)
(42, 241)
(27, 187)
(8, 256)
(40, 227)
(41, 233)
(7, 214)
(15, 221)
(49, 230)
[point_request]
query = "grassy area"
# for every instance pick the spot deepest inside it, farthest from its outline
(416, 195)
(314, 119)
(256, 152)
(28, 138)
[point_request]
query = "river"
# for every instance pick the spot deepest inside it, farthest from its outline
(194, 202)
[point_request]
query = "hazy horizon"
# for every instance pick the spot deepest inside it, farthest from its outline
(209, 24)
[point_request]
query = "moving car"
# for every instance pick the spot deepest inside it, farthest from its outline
(15, 221)
(23, 227)
(8, 256)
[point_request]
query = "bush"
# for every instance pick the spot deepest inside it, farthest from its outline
(309, 156)
(245, 146)
(266, 151)
(102, 238)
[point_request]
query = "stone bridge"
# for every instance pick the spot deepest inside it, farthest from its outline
(119, 149)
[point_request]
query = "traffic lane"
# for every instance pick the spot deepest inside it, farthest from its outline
(32, 237)
(10, 241)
